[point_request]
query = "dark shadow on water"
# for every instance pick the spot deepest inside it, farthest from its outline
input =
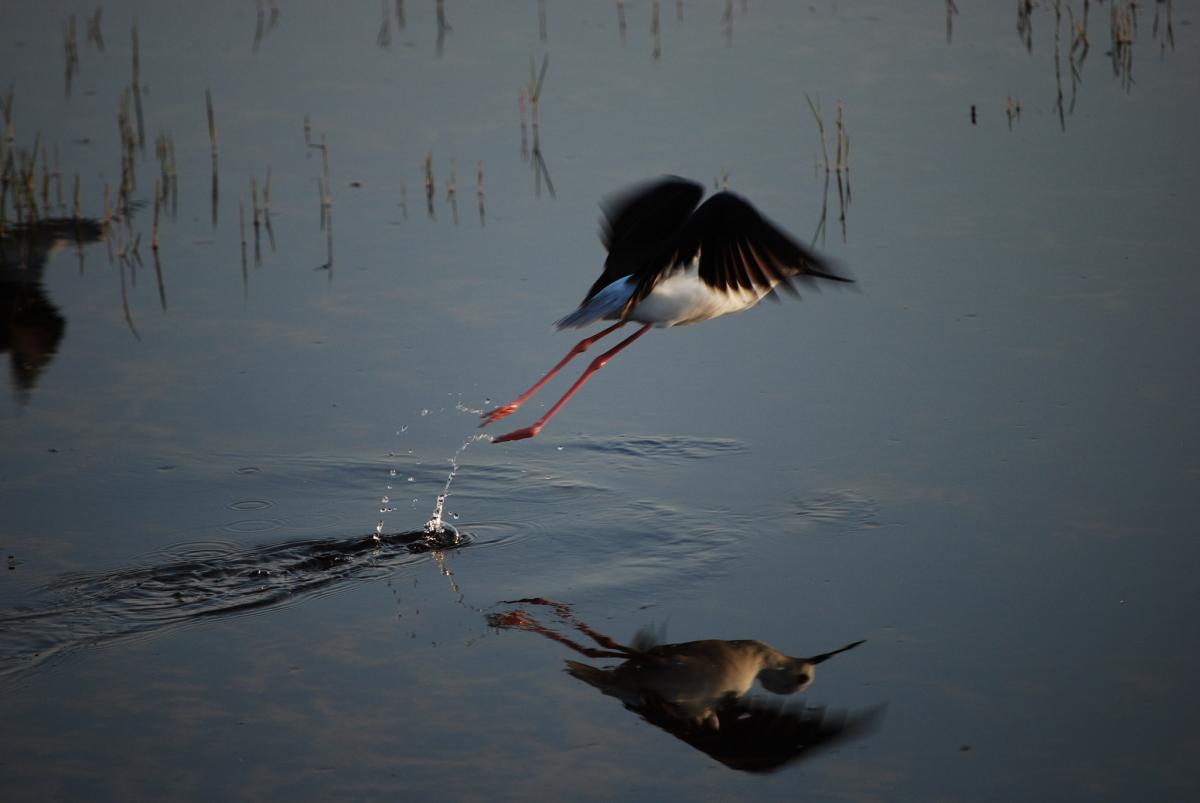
(195, 583)
(31, 326)
(701, 691)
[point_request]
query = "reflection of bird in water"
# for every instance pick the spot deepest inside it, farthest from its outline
(30, 325)
(700, 692)
(671, 262)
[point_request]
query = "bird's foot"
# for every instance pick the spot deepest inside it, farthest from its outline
(495, 414)
(519, 434)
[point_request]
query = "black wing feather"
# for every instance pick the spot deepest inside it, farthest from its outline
(761, 735)
(738, 248)
(638, 220)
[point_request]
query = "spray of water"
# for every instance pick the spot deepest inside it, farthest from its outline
(434, 525)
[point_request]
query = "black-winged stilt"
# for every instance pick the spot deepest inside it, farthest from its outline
(671, 262)
(702, 691)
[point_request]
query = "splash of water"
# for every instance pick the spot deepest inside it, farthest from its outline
(434, 525)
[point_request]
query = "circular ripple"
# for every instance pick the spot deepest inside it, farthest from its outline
(253, 525)
(249, 470)
(250, 504)
(314, 520)
(497, 533)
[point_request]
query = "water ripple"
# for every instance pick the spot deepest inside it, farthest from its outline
(196, 581)
(659, 446)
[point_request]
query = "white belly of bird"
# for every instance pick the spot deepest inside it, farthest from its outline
(684, 298)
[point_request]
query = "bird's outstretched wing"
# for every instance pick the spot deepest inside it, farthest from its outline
(761, 735)
(737, 248)
(638, 220)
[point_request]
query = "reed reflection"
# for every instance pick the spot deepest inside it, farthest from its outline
(443, 27)
(534, 93)
(701, 691)
(263, 26)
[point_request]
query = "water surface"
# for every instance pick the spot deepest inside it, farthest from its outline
(983, 462)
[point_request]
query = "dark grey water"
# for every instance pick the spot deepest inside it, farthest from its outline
(984, 462)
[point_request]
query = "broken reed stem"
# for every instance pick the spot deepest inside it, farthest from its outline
(136, 57)
(843, 143)
(479, 191)
(71, 52)
(535, 89)
(137, 92)
(325, 157)
(157, 205)
(45, 181)
(8, 123)
(57, 175)
(524, 126)
(93, 30)
(429, 185)
(815, 108)
(212, 122)
(327, 194)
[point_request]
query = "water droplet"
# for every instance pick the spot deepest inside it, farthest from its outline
(487, 400)
(454, 516)
(404, 428)
(392, 473)
(385, 499)
(379, 527)
(425, 412)
(560, 448)
(410, 479)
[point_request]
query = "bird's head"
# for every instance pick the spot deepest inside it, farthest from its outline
(787, 675)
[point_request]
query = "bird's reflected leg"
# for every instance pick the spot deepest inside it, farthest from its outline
(496, 413)
(565, 615)
(520, 620)
(597, 364)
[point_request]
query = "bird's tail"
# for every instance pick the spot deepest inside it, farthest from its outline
(608, 303)
(825, 656)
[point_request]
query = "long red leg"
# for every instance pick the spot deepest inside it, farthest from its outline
(597, 364)
(497, 413)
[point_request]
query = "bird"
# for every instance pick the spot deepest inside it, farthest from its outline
(702, 692)
(696, 678)
(672, 261)
(699, 692)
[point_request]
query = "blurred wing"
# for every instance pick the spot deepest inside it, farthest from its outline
(763, 735)
(737, 249)
(649, 637)
(639, 220)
